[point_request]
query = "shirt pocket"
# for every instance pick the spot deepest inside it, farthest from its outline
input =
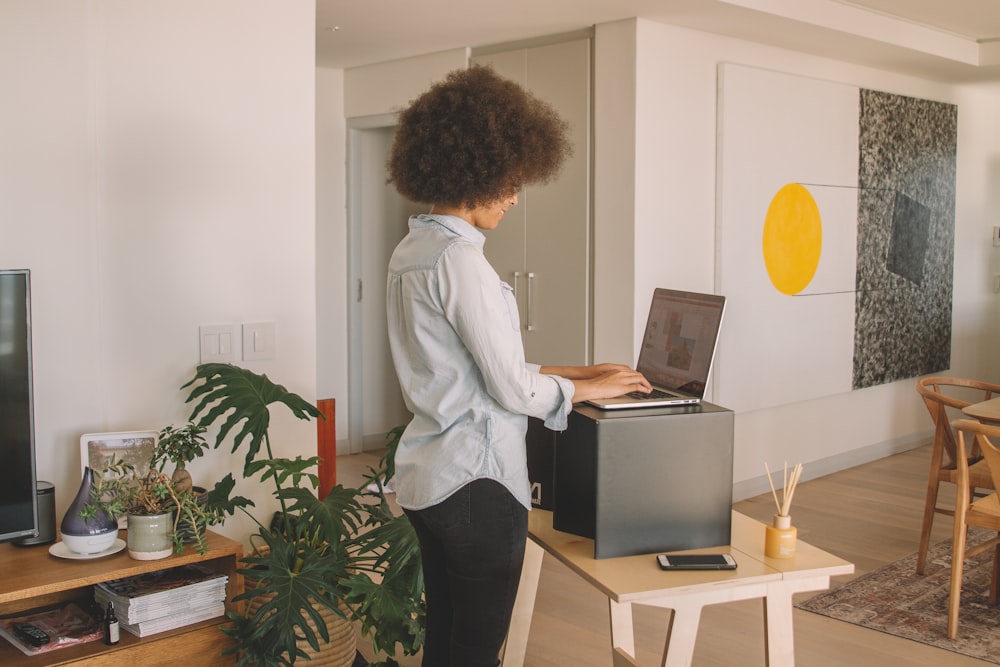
(511, 301)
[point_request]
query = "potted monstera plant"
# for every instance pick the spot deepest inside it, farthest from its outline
(345, 556)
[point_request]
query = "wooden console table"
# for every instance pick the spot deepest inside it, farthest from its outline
(638, 580)
(33, 578)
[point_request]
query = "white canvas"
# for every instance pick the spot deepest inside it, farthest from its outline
(776, 129)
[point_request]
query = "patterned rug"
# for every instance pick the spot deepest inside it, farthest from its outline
(895, 600)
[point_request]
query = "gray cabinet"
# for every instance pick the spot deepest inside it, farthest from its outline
(542, 247)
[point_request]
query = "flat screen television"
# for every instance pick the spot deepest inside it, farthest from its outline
(18, 497)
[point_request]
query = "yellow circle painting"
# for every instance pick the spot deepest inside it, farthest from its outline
(792, 239)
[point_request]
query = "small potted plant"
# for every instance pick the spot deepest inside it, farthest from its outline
(180, 446)
(160, 514)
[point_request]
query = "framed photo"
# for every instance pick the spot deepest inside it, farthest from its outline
(133, 447)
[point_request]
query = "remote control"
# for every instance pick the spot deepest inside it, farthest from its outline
(31, 634)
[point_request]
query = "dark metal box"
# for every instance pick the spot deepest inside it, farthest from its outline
(645, 481)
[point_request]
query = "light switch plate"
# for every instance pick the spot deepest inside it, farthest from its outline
(258, 341)
(216, 343)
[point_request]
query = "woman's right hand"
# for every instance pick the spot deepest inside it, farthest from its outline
(613, 383)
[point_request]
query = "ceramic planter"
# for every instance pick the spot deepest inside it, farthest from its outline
(150, 536)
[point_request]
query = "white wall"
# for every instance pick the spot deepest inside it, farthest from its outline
(157, 173)
(382, 88)
(675, 239)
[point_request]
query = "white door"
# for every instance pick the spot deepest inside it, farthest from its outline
(378, 221)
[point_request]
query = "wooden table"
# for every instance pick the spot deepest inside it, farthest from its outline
(639, 580)
(987, 412)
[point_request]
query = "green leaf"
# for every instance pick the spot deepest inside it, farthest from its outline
(235, 395)
(218, 502)
(291, 582)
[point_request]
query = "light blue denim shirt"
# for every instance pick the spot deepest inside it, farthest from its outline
(455, 337)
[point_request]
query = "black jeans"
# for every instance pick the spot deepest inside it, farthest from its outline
(472, 547)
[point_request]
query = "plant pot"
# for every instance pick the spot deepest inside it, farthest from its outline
(150, 536)
(342, 648)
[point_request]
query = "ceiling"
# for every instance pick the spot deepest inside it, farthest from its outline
(945, 40)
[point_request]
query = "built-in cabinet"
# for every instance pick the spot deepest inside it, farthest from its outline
(542, 247)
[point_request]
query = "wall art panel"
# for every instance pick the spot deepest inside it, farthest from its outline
(835, 219)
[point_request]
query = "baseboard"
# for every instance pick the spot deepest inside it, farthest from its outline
(369, 443)
(754, 487)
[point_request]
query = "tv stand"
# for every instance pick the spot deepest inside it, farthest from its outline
(33, 578)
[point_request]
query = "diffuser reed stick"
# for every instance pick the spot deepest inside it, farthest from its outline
(789, 482)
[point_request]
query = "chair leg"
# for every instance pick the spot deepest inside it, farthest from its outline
(995, 579)
(957, 563)
(930, 504)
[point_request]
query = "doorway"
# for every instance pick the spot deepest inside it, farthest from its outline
(377, 221)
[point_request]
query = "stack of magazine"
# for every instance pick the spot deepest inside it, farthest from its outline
(159, 601)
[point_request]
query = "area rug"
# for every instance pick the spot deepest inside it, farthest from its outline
(895, 600)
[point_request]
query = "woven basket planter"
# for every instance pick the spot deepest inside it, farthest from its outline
(343, 644)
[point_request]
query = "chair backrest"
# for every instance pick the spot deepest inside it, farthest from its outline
(983, 435)
(934, 390)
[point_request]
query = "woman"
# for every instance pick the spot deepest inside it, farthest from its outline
(465, 147)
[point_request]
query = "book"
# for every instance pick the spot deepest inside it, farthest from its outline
(66, 624)
(162, 593)
(162, 624)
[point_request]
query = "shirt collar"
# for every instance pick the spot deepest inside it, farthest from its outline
(454, 224)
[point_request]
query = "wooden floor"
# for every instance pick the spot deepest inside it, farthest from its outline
(869, 515)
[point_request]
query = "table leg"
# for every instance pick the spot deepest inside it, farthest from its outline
(779, 635)
(622, 635)
(524, 606)
(682, 633)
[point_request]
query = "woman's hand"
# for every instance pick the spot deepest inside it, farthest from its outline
(600, 380)
(613, 383)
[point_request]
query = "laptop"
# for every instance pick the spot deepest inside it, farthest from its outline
(678, 348)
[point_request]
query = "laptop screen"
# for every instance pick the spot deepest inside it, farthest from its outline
(680, 340)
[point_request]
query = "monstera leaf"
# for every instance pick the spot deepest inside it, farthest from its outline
(237, 395)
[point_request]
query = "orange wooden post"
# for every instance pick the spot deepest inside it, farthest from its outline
(326, 445)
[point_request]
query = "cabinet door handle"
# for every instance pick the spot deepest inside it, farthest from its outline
(531, 325)
(515, 276)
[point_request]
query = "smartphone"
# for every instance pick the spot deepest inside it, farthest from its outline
(696, 562)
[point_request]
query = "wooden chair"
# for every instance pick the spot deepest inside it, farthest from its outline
(945, 397)
(969, 511)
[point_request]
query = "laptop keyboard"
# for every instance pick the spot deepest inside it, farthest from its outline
(656, 393)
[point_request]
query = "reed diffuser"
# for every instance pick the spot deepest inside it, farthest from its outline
(780, 537)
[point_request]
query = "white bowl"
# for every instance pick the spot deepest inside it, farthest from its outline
(90, 544)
